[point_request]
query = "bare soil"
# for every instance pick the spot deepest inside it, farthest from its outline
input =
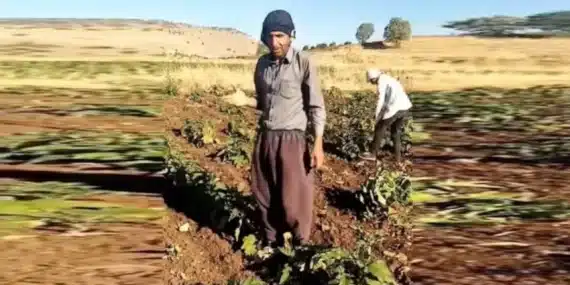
(39, 122)
(111, 254)
(487, 255)
(204, 257)
(529, 253)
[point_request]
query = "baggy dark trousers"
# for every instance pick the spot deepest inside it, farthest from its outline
(396, 124)
(282, 183)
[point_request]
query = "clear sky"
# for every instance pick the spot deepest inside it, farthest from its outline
(316, 20)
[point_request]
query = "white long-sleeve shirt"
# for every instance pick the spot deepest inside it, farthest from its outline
(392, 96)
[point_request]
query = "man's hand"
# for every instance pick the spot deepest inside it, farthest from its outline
(318, 155)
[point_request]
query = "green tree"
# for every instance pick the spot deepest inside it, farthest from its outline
(398, 30)
(498, 25)
(541, 24)
(364, 32)
(332, 44)
(305, 47)
(347, 43)
(552, 22)
(322, 45)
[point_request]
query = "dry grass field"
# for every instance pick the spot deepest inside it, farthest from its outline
(429, 63)
(85, 109)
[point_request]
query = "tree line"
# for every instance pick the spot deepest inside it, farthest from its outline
(396, 31)
(547, 24)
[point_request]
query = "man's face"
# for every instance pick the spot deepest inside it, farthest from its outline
(279, 43)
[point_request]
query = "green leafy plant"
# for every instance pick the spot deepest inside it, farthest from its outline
(239, 147)
(349, 130)
(232, 110)
(237, 152)
(292, 264)
(380, 192)
(229, 210)
(334, 265)
(249, 245)
(232, 212)
(198, 132)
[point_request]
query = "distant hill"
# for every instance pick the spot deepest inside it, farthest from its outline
(101, 22)
(147, 36)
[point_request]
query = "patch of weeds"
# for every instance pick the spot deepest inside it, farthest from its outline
(350, 127)
(73, 212)
(137, 93)
(493, 108)
(199, 132)
(29, 205)
(435, 190)
(385, 189)
(223, 208)
(231, 110)
(484, 210)
(116, 150)
(171, 87)
(195, 96)
(227, 211)
(452, 202)
(26, 191)
(239, 147)
(291, 264)
(78, 69)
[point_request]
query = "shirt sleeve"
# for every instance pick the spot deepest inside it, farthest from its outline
(382, 88)
(315, 102)
(258, 98)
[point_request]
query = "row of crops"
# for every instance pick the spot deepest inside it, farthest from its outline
(223, 135)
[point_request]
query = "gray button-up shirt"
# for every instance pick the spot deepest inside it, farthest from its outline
(289, 93)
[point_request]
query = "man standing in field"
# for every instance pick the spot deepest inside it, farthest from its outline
(392, 111)
(289, 97)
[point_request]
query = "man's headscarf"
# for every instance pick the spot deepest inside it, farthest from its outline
(277, 20)
(373, 73)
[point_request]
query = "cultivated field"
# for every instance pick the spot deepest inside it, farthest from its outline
(90, 111)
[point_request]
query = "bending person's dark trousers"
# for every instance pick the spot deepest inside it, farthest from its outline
(396, 124)
(282, 183)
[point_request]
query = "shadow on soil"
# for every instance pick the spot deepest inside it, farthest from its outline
(109, 181)
(207, 211)
(344, 200)
(94, 110)
(202, 207)
(150, 166)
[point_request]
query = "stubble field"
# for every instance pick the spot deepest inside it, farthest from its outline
(83, 133)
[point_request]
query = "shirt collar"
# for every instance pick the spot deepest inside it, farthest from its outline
(289, 56)
(287, 59)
